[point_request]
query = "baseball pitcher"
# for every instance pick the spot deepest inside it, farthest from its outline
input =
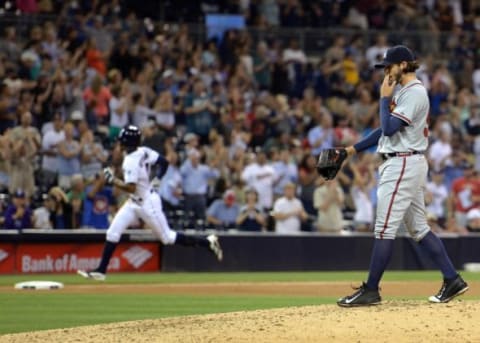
(402, 141)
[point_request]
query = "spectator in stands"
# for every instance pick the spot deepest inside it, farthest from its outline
(262, 66)
(364, 110)
(436, 196)
(465, 195)
(192, 141)
(171, 184)
(307, 176)
(46, 74)
(26, 142)
(97, 98)
(375, 53)
(60, 209)
(285, 171)
(7, 113)
(118, 108)
(328, 199)
(9, 44)
(76, 198)
(92, 155)
(294, 58)
(199, 111)
(41, 215)
(440, 151)
(473, 220)
(50, 141)
(95, 58)
(288, 212)
(363, 182)
(321, 136)
(68, 157)
(260, 176)
(270, 9)
(222, 213)
(251, 216)
(455, 169)
(195, 181)
(291, 13)
(164, 108)
(98, 203)
(141, 112)
(5, 161)
(18, 215)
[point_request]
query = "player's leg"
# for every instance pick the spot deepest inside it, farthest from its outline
(152, 214)
(394, 197)
(122, 220)
(417, 226)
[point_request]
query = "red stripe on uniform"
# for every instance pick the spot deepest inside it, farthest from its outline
(393, 198)
(401, 116)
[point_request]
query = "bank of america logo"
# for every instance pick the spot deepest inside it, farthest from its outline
(3, 255)
(137, 256)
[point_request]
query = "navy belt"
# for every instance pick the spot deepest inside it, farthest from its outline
(400, 154)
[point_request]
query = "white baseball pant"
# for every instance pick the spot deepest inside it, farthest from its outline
(149, 210)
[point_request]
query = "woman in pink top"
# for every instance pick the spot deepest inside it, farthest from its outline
(96, 98)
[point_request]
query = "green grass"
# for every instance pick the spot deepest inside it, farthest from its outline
(155, 278)
(39, 311)
(30, 310)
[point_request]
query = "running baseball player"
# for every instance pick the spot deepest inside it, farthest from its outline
(402, 141)
(144, 203)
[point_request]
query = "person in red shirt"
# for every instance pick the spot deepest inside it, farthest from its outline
(465, 196)
(97, 98)
(95, 58)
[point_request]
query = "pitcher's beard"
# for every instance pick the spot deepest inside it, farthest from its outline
(397, 78)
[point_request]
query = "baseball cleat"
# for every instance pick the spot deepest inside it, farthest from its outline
(92, 275)
(450, 289)
(215, 246)
(362, 297)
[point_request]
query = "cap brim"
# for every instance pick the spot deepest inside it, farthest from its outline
(383, 64)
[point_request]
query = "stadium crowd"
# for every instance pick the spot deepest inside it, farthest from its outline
(241, 120)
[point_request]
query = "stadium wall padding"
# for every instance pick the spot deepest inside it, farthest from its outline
(266, 251)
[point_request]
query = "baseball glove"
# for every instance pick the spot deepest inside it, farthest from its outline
(330, 161)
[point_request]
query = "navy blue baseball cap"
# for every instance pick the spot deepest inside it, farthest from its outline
(396, 54)
(19, 193)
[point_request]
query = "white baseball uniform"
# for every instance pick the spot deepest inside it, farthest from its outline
(403, 177)
(145, 203)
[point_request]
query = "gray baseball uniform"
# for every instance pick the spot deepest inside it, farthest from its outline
(403, 177)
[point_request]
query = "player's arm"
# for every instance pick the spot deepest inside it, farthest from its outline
(366, 143)
(129, 185)
(389, 123)
(162, 164)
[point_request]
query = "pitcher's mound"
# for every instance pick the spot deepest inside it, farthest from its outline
(393, 321)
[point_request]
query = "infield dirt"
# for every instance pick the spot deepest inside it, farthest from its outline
(393, 321)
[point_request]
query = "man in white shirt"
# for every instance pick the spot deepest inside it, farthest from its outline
(50, 141)
(375, 53)
(118, 105)
(437, 195)
(292, 56)
(441, 151)
(288, 212)
(261, 176)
